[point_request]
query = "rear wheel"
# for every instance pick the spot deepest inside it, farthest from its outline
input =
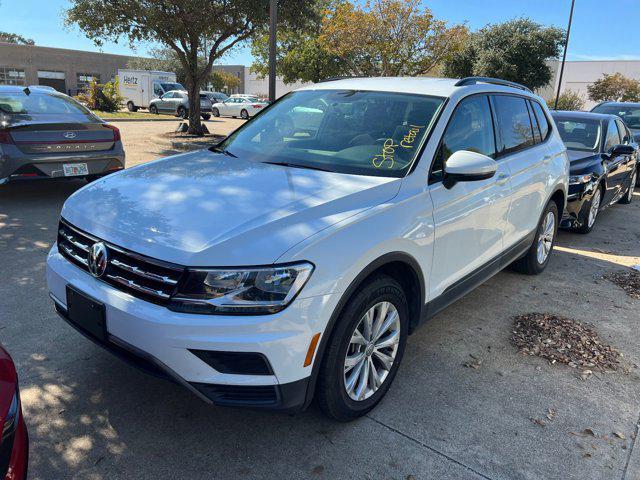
(592, 213)
(153, 109)
(364, 350)
(537, 257)
(216, 112)
(244, 114)
(131, 106)
(628, 198)
(182, 112)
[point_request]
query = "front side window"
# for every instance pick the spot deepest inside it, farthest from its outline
(579, 134)
(470, 128)
(630, 114)
(37, 103)
(613, 137)
(346, 131)
(514, 123)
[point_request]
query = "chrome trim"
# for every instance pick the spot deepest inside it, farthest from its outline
(137, 271)
(131, 284)
(71, 240)
(74, 256)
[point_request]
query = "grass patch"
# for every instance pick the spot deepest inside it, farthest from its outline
(132, 115)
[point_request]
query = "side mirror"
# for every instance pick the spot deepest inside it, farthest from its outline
(466, 166)
(622, 150)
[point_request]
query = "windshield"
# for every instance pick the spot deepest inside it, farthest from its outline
(583, 135)
(39, 103)
(630, 115)
(166, 86)
(346, 131)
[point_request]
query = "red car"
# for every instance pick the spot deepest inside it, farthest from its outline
(14, 441)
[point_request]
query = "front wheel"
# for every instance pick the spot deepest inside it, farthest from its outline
(537, 257)
(216, 112)
(592, 213)
(628, 198)
(244, 114)
(182, 112)
(206, 116)
(153, 109)
(364, 350)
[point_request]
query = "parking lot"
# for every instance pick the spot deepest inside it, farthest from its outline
(90, 416)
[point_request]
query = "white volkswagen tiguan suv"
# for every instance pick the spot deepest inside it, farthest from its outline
(293, 259)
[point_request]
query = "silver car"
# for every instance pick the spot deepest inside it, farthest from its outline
(176, 102)
(46, 134)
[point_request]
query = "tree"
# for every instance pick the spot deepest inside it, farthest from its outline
(615, 87)
(568, 100)
(15, 38)
(190, 28)
(383, 37)
(166, 60)
(516, 50)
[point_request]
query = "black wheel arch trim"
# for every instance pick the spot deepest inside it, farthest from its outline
(379, 262)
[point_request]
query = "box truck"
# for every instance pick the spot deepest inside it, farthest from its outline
(139, 87)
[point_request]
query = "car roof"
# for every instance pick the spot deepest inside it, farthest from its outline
(439, 87)
(619, 104)
(32, 88)
(582, 115)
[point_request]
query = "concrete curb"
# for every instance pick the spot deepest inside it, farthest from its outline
(141, 119)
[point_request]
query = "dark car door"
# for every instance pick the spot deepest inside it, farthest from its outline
(616, 164)
(627, 139)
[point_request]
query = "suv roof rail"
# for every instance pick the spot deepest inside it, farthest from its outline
(345, 77)
(495, 81)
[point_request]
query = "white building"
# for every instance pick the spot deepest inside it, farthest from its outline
(260, 86)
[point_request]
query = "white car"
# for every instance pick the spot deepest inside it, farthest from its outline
(243, 107)
(291, 261)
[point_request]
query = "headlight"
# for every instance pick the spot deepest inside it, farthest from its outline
(579, 179)
(246, 291)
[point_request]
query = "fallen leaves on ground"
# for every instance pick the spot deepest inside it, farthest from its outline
(474, 363)
(561, 339)
(628, 280)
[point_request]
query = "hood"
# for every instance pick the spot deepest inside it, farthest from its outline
(207, 209)
(583, 162)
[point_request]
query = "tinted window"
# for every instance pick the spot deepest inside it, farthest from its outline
(630, 114)
(613, 138)
(39, 103)
(579, 134)
(513, 122)
(543, 123)
(357, 132)
(157, 89)
(470, 128)
(537, 136)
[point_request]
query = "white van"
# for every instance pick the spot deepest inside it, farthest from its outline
(139, 87)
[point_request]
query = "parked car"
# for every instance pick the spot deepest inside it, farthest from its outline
(243, 107)
(46, 134)
(139, 87)
(630, 114)
(287, 263)
(216, 97)
(14, 439)
(603, 171)
(176, 102)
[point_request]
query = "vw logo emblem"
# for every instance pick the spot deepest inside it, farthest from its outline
(69, 135)
(97, 260)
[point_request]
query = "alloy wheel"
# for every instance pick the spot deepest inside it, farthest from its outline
(545, 240)
(372, 351)
(595, 208)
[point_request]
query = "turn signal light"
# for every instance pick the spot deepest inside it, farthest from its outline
(312, 349)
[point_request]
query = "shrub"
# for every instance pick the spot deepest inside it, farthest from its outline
(105, 98)
(568, 100)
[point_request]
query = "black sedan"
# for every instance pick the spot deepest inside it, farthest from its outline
(603, 171)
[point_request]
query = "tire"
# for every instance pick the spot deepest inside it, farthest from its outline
(331, 393)
(131, 107)
(530, 263)
(206, 116)
(182, 112)
(153, 109)
(638, 177)
(244, 114)
(628, 197)
(216, 112)
(593, 208)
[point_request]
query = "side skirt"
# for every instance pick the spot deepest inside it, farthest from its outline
(476, 278)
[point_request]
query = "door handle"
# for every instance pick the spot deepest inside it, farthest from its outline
(546, 159)
(502, 179)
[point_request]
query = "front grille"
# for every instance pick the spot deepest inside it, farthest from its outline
(143, 277)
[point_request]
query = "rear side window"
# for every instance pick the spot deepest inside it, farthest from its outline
(624, 133)
(514, 123)
(613, 138)
(470, 128)
(543, 123)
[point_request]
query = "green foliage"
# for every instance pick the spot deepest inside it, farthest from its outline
(190, 28)
(15, 38)
(568, 100)
(105, 98)
(515, 50)
(616, 87)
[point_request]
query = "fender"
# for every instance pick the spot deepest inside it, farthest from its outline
(353, 286)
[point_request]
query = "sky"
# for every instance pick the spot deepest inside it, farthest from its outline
(601, 30)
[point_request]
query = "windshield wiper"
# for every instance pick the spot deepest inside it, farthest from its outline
(297, 165)
(219, 149)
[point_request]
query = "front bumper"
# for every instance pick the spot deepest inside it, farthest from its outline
(162, 342)
(578, 202)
